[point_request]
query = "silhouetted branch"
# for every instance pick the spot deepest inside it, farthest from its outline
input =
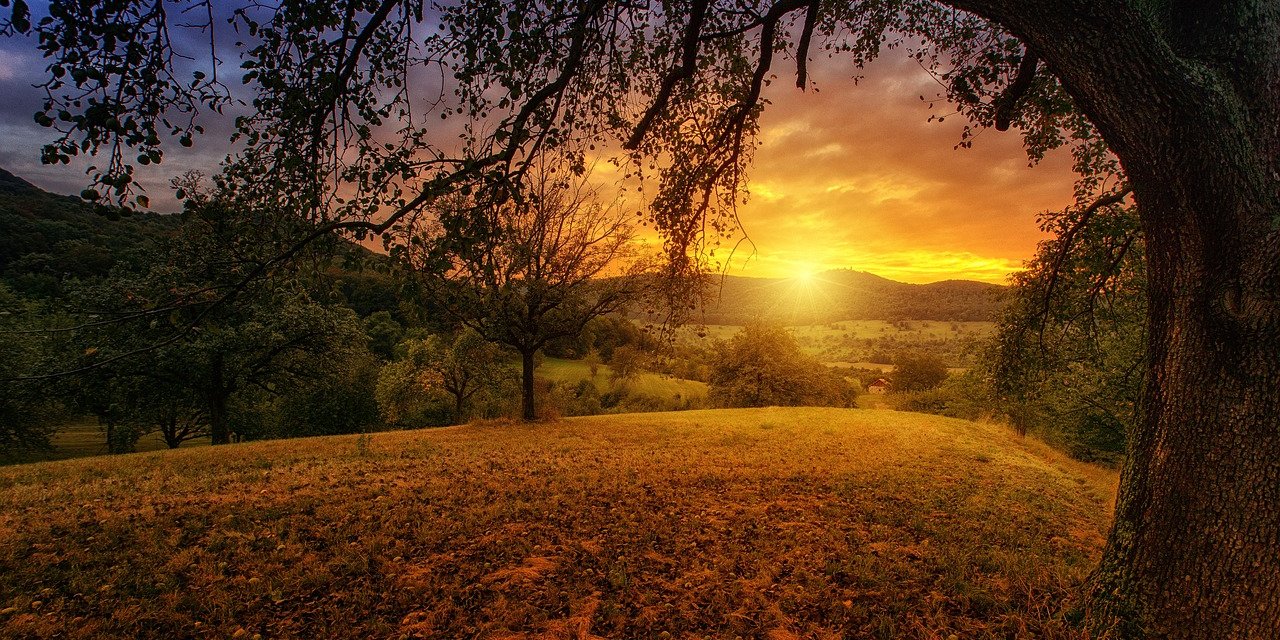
(1006, 105)
(682, 73)
(1067, 240)
(802, 49)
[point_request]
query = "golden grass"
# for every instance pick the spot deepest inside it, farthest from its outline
(651, 384)
(768, 523)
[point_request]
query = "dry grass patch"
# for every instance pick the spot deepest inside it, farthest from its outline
(771, 523)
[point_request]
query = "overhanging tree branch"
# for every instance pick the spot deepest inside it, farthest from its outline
(1007, 104)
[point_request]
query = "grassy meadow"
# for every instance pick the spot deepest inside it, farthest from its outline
(650, 384)
(754, 523)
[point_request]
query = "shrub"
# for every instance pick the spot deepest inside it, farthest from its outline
(917, 372)
(763, 366)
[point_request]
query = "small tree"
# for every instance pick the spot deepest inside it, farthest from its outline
(460, 368)
(763, 365)
(467, 366)
(627, 363)
(592, 360)
(524, 272)
(917, 372)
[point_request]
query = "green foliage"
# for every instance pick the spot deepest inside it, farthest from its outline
(384, 334)
(28, 411)
(964, 395)
(341, 400)
(627, 363)
(1067, 360)
(602, 334)
(593, 362)
(166, 350)
(445, 380)
(917, 372)
(763, 366)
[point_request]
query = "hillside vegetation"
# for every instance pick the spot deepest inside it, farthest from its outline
(846, 295)
(769, 523)
(668, 389)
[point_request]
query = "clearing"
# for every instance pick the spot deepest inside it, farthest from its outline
(764, 523)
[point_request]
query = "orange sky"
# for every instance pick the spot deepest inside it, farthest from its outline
(856, 177)
(850, 176)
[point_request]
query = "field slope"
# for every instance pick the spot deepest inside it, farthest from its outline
(769, 523)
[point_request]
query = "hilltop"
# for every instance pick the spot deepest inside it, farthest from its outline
(847, 295)
(769, 523)
(46, 237)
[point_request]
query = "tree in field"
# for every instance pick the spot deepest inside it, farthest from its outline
(538, 269)
(593, 362)
(458, 367)
(917, 372)
(762, 366)
(1174, 105)
(166, 406)
(627, 363)
(147, 351)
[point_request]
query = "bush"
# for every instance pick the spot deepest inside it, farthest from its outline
(763, 366)
(963, 396)
(343, 402)
(917, 372)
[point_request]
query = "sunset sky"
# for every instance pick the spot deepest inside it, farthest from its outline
(857, 177)
(847, 177)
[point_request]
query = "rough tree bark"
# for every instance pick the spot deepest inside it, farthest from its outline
(1188, 96)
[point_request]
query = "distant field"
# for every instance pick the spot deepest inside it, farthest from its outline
(887, 368)
(768, 523)
(650, 384)
(86, 438)
(857, 341)
(864, 329)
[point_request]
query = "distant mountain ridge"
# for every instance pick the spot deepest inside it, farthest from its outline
(847, 294)
(46, 237)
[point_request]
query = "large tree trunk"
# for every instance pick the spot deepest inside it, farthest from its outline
(1188, 96)
(1195, 550)
(527, 409)
(219, 430)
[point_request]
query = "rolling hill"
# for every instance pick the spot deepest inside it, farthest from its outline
(761, 523)
(847, 295)
(46, 237)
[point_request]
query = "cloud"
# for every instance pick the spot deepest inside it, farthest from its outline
(856, 176)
